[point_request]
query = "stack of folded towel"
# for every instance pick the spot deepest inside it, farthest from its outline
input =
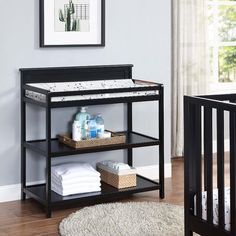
(75, 178)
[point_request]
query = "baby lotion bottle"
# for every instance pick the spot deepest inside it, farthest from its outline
(83, 117)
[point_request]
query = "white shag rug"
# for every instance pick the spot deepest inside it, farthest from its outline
(125, 219)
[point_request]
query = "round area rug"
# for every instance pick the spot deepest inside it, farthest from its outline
(125, 219)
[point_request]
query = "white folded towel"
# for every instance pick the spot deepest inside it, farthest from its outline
(68, 171)
(76, 186)
(82, 179)
(75, 191)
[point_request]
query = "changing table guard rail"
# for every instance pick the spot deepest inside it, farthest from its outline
(149, 89)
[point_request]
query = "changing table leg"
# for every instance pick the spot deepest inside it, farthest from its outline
(48, 158)
(130, 129)
(23, 149)
(161, 146)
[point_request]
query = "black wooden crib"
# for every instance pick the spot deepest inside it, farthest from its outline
(206, 119)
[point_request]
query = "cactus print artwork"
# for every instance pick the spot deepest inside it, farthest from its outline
(72, 15)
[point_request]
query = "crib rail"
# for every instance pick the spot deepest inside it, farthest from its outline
(198, 153)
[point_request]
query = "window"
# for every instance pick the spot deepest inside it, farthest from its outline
(222, 37)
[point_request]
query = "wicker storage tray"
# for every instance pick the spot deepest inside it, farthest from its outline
(116, 138)
(117, 181)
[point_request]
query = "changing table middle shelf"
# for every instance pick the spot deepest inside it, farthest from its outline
(133, 139)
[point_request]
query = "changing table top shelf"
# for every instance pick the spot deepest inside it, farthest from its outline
(85, 86)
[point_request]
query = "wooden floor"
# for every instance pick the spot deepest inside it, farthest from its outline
(28, 218)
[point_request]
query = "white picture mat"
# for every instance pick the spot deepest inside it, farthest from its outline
(72, 38)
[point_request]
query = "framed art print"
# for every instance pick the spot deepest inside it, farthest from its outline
(72, 23)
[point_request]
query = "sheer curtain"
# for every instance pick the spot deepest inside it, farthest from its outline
(190, 68)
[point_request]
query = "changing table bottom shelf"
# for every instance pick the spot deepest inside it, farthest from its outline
(38, 192)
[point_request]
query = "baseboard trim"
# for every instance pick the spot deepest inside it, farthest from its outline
(152, 172)
(10, 193)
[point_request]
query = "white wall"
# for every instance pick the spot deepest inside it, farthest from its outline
(137, 32)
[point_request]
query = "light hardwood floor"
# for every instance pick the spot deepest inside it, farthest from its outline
(28, 218)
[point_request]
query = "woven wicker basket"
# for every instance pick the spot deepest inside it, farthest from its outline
(118, 181)
(116, 138)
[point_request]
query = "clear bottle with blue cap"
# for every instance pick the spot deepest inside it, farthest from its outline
(92, 127)
(100, 126)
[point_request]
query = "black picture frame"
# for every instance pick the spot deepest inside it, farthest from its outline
(43, 44)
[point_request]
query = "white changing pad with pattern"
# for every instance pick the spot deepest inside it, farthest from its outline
(89, 85)
(215, 207)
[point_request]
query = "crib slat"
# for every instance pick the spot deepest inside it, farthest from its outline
(208, 161)
(233, 172)
(198, 160)
(220, 166)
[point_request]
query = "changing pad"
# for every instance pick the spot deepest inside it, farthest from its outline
(215, 207)
(89, 85)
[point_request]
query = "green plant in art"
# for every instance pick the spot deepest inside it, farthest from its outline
(71, 24)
